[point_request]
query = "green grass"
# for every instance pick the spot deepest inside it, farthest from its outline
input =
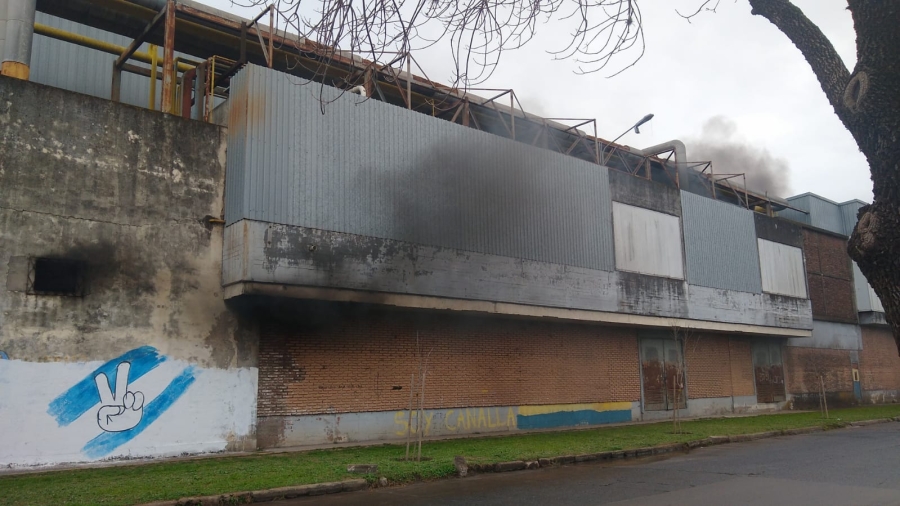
(172, 480)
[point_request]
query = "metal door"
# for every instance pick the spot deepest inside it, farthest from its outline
(769, 372)
(662, 375)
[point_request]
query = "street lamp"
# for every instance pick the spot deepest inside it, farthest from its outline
(636, 130)
(635, 127)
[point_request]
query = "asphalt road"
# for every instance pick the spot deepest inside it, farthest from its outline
(854, 466)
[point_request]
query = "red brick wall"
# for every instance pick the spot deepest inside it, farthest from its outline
(743, 381)
(708, 366)
(879, 365)
(802, 367)
(829, 277)
(358, 363)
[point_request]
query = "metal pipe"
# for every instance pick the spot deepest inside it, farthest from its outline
(3, 9)
(680, 157)
(99, 45)
(19, 34)
(154, 64)
(271, 35)
(169, 69)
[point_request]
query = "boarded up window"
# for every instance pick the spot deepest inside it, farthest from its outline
(647, 242)
(782, 269)
(663, 376)
(769, 372)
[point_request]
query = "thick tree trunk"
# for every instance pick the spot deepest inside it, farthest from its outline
(867, 101)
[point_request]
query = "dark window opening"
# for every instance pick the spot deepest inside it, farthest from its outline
(56, 276)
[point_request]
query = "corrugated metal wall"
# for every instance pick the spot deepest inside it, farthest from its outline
(866, 298)
(84, 70)
(647, 242)
(781, 267)
(75, 68)
(862, 289)
(720, 244)
(822, 213)
(849, 210)
(800, 202)
(826, 215)
(371, 168)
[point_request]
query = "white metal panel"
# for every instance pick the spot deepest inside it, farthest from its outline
(862, 289)
(782, 269)
(875, 300)
(647, 242)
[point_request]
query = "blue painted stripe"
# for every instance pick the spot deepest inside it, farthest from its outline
(571, 418)
(75, 401)
(108, 441)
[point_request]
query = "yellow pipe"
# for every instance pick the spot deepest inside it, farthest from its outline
(15, 69)
(99, 45)
(154, 63)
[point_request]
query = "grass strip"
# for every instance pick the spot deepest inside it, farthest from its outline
(125, 485)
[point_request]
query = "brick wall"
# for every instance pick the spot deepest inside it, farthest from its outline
(743, 381)
(879, 365)
(708, 366)
(364, 362)
(829, 277)
(802, 366)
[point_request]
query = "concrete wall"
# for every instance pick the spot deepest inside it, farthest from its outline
(394, 425)
(284, 255)
(123, 192)
(831, 335)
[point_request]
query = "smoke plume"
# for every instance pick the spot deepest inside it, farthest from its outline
(731, 154)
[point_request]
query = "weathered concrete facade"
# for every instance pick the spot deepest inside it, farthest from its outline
(465, 215)
(537, 289)
(118, 198)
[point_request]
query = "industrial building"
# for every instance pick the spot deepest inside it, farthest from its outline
(210, 244)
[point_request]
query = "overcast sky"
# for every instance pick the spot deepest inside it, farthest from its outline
(730, 67)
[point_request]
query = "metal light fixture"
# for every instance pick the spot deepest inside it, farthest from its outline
(635, 127)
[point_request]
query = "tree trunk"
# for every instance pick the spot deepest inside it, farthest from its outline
(867, 101)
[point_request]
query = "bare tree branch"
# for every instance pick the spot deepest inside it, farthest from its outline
(815, 46)
(699, 10)
(478, 31)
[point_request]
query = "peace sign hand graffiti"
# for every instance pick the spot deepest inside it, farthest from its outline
(122, 411)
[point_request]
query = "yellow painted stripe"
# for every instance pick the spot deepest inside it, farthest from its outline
(556, 408)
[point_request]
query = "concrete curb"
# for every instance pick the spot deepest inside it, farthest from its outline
(500, 467)
(273, 494)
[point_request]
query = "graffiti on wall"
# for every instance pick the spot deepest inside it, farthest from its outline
(122, 413)
(493, 419)
(455, 420)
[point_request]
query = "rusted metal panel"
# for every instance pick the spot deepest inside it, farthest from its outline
(662, 375)
(782, 269)
(653, 375)
(720, 244)
(647, 242)
(370, 168)
(769, 372)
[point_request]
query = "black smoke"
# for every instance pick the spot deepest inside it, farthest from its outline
(730, 154)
